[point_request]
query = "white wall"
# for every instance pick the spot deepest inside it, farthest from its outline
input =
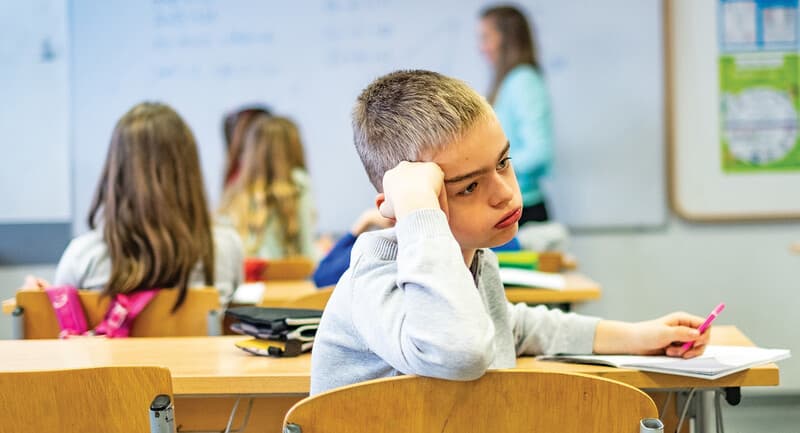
(34, 118)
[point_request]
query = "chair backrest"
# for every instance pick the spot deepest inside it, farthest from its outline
(156, 320)
(107, 399)
(295, 268)
(501, 401)
(315, 301)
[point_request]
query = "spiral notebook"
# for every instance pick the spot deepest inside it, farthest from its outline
(716, 361)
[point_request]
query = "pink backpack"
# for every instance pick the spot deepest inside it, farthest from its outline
(117, 322)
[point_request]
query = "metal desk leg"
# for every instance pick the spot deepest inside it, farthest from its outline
(18, 323)
(704, 411)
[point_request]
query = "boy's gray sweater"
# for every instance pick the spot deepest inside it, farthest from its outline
(409, 305)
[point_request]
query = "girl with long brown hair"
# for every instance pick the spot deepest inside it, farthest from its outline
(270, 201)
(149, 220)
(520, 99)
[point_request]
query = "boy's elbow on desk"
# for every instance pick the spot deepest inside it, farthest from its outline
(463, 365)
(458, 359)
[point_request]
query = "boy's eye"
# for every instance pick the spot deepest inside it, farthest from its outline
(504, 163)
(469, 189)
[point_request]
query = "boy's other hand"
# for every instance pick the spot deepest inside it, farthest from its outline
(662, 336)
(410, 186)
(368, 219)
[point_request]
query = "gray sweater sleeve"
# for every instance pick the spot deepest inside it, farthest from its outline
(540, 331)
(428, 318)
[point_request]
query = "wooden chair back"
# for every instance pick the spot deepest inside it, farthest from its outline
(295, 268)
(506, 401)
(156, 320)
(107, 399)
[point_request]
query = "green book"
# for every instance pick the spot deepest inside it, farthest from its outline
(518, 259)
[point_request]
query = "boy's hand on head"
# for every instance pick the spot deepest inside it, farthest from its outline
(411, 186)
(662, 336)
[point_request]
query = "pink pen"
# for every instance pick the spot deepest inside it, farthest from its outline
(688, 345)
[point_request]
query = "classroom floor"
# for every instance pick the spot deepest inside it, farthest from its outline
(762, 413)
(758, 413)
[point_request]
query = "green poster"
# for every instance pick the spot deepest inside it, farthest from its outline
(759, 86)
(759, 112)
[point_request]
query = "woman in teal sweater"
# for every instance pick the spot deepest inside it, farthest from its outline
(521, 102)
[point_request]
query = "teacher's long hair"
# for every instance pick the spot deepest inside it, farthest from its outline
(516, 43)
(152, 206)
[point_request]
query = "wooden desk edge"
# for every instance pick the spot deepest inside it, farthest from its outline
(211, 386)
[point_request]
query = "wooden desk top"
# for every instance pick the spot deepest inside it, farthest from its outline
(579, 289)
(764, 375)
(206, 366)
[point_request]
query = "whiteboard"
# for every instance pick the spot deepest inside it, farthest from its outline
(34, 163)
(701, 188)
(309, 60)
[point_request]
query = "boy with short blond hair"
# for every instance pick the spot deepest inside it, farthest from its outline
(425, 297)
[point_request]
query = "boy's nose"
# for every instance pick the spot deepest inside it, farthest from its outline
(503, 192)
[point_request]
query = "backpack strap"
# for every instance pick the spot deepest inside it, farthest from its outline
(121, 313)
(68, 309)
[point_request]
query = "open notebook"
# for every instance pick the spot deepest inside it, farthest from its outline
(716, 362)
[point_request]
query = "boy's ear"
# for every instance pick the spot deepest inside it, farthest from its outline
(384, 207)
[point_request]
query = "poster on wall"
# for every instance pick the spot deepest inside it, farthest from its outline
(759, 76)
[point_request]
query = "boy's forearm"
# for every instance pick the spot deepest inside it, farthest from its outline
(614, 337)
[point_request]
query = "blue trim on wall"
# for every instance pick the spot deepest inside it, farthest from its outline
(29, 244)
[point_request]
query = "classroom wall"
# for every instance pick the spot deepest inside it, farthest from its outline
(692, 267)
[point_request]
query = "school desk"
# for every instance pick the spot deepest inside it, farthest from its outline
(282, 292)
(207, 371)
(578, 289)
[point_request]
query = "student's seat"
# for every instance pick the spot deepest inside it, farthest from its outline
(506, 401)
(107, 399)
(197, 316)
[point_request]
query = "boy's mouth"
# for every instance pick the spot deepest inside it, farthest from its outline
(509, 218)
